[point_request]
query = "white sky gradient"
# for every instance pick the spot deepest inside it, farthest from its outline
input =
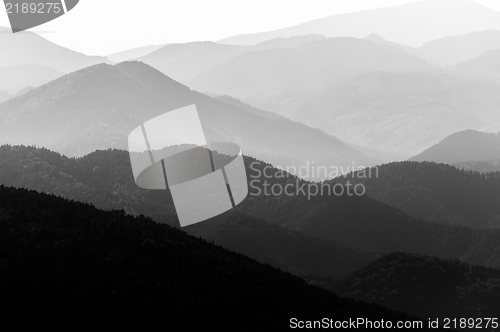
(101, 27)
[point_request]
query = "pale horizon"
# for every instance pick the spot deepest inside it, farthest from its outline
(189, 21)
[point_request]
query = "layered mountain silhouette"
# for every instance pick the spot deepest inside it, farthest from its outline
(98, 107)
(426, 287)
(133, 53)
(436, 192)
(106, 269)
(183, 61)
(416, 23)
(450, 50)
(15, 78)
(27, 48)
(4, 96)
(405, 112)
(487, 166)
(485, 67)
(104, 179)
(464, 146)
(312, 67)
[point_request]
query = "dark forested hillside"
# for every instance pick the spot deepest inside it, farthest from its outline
(426, 286)
(69, 265)
(436, 192)
(486, 166)
(104, 179)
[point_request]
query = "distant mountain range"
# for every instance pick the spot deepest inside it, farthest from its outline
(16, 78)
(28, 48)
(134, 53)
(98, 107)
(485, 66)
(405, 112)
(183, 61)
(450, 50)
(464, 146)
(27, 60)
(313, 67)
(417, 22)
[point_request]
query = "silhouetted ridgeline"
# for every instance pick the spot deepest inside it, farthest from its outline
(104, 179)
(488, 166)
(463, 146)
(98, 107)
(436, 192)
(69, 265)
(426, 286)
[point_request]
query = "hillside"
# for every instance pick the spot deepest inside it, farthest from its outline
(98, 107)
(464, 146)
(436, 192)
(104, 178)
(486, 67)
(488, 166)
(183, 61)
(405, 112)
(312, 67)
(133, 53)
(16, 78)
(28, 48)
(450, 50)
(96, 269)
(426, 287)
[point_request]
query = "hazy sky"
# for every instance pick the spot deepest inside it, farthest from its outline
(101, 27)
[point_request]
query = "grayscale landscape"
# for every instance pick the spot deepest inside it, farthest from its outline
(394, 111)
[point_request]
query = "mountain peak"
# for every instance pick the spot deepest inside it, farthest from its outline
(375, 37)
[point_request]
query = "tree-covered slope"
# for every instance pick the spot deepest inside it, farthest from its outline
(67, 265)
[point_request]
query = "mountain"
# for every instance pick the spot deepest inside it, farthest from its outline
(248, 108)
(134, 53)
(183, 61)
(107, 269)
(435, 192)
(287, 72)
(427, 287)
(374, 38)
(485, 66)
(16, 78)
(4, 96)
(487, 166)
(417, 22)
(28, 48)
(104, 179)
(404, 112)
(98, 107)
(450, 50)
(464, 146)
